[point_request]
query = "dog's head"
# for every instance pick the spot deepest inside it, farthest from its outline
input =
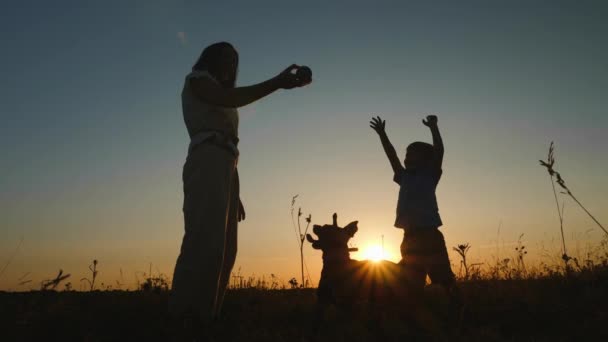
(332, 237)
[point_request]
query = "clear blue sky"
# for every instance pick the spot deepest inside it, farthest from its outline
(92, 140)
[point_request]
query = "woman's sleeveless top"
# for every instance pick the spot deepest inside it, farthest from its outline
(200, 116)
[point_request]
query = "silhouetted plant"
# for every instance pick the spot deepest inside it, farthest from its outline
(238, 281)
(495, 268)
(21, 283)
(562, 183)
(8, 262)
(300, 234)
(94, 272)
(602, 250)
(521, 252)
(552, 173)
(106, 287)
(475, 272)
(51, 284)
(274, 282)
(120, 283)
(156, 284)
(462, 250)
(22, 280)
(293, 282)
(505, 268)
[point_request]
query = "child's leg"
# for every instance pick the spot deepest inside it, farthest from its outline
(414, 270)
(413, 261)
(440, 272)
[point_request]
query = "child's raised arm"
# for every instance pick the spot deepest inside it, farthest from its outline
(431, 122)
(378, 125)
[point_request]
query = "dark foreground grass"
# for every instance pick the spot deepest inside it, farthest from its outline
(550, 309)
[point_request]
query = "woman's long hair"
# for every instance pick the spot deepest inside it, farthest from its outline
(211, 61)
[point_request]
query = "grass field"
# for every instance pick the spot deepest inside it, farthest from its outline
(555, 307)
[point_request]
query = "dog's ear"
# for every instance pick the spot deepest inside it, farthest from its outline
(352, 228)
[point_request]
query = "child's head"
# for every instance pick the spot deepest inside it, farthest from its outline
(418, 154)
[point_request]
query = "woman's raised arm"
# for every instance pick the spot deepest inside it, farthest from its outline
(213, 93)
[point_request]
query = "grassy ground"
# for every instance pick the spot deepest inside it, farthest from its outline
(556, 308)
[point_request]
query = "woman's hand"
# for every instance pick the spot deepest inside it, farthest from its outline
(287, 79)
(241, 211)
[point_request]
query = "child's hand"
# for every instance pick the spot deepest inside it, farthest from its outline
(378, 125)
(431, 121)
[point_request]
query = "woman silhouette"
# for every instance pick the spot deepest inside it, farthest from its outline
(212, 206)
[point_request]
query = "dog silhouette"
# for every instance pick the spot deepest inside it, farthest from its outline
(345, 280)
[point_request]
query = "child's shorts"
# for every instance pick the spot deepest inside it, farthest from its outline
(423, 252)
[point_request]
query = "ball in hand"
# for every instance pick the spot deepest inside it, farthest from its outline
(304, 74)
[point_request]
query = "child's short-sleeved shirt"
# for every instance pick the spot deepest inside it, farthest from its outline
(417, 204)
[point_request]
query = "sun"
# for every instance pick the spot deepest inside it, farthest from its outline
(373, 253)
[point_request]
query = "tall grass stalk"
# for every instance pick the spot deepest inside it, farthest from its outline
(301, 235)
(549, 165)
(562, 183)
(94, 272)
(10, 260)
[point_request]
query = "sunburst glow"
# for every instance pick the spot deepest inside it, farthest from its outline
(373, 253)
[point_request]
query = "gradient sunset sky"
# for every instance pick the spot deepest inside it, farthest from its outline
(92, 140)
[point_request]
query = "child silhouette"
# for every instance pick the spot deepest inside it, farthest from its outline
(423, 249)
